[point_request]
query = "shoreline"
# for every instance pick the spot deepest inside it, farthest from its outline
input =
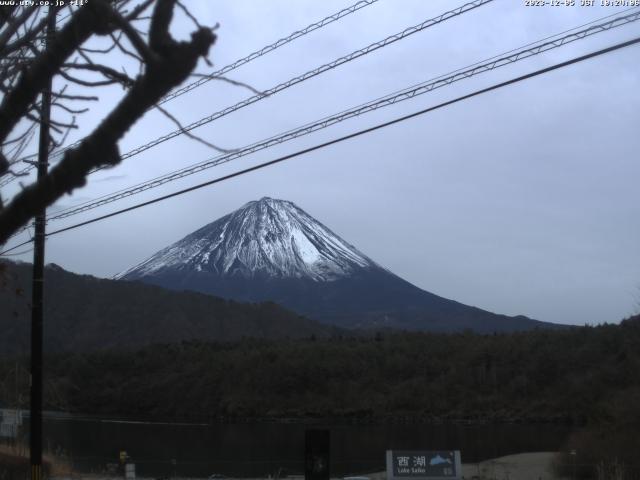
(355, 418)
(520, 466)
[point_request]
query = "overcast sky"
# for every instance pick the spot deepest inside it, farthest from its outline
(520, 201)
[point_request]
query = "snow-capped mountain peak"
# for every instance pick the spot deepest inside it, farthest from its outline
(271, 250)
(267, 237)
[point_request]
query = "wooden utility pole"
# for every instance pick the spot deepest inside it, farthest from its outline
(35, 420)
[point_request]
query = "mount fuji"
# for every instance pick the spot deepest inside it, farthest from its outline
(272, 250)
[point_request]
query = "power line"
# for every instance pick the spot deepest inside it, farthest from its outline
(406, 94)
(301, 78)
(347, 137)
(17, 254)
(232, 66)
(310, 74)
(269, 48)
(15, 247)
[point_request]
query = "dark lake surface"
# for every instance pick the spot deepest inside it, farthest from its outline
(260, 449)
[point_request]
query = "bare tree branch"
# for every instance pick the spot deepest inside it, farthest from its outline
(86, 83)
(104, 70)
(117, 41)
(14, 25)
(232, 82)
(68, 109)
(188, 14)
(89, 20)
(146, 53)
(191, 135)
(170, 63)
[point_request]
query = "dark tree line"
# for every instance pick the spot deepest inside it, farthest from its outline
(582, 375)
(588, 377)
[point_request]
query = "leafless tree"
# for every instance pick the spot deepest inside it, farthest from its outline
(30, 57)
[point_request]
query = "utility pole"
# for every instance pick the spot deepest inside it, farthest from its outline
(35, 420)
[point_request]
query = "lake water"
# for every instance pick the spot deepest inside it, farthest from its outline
(257, 449)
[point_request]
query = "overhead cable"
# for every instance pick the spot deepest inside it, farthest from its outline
(402, 95)
(269, 48)
(232, 66)
(309, 74)
(299, 153)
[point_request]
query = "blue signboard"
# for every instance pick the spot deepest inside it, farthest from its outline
(423, 465)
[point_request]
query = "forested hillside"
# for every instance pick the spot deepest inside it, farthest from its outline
(577, 375)
(588, 377)
(85, 313)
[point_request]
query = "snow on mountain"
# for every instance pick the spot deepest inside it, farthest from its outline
(268, 237)
(271, 250)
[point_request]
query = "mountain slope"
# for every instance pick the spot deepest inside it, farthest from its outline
(268, 238)
(86, 313)
(272, 250)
